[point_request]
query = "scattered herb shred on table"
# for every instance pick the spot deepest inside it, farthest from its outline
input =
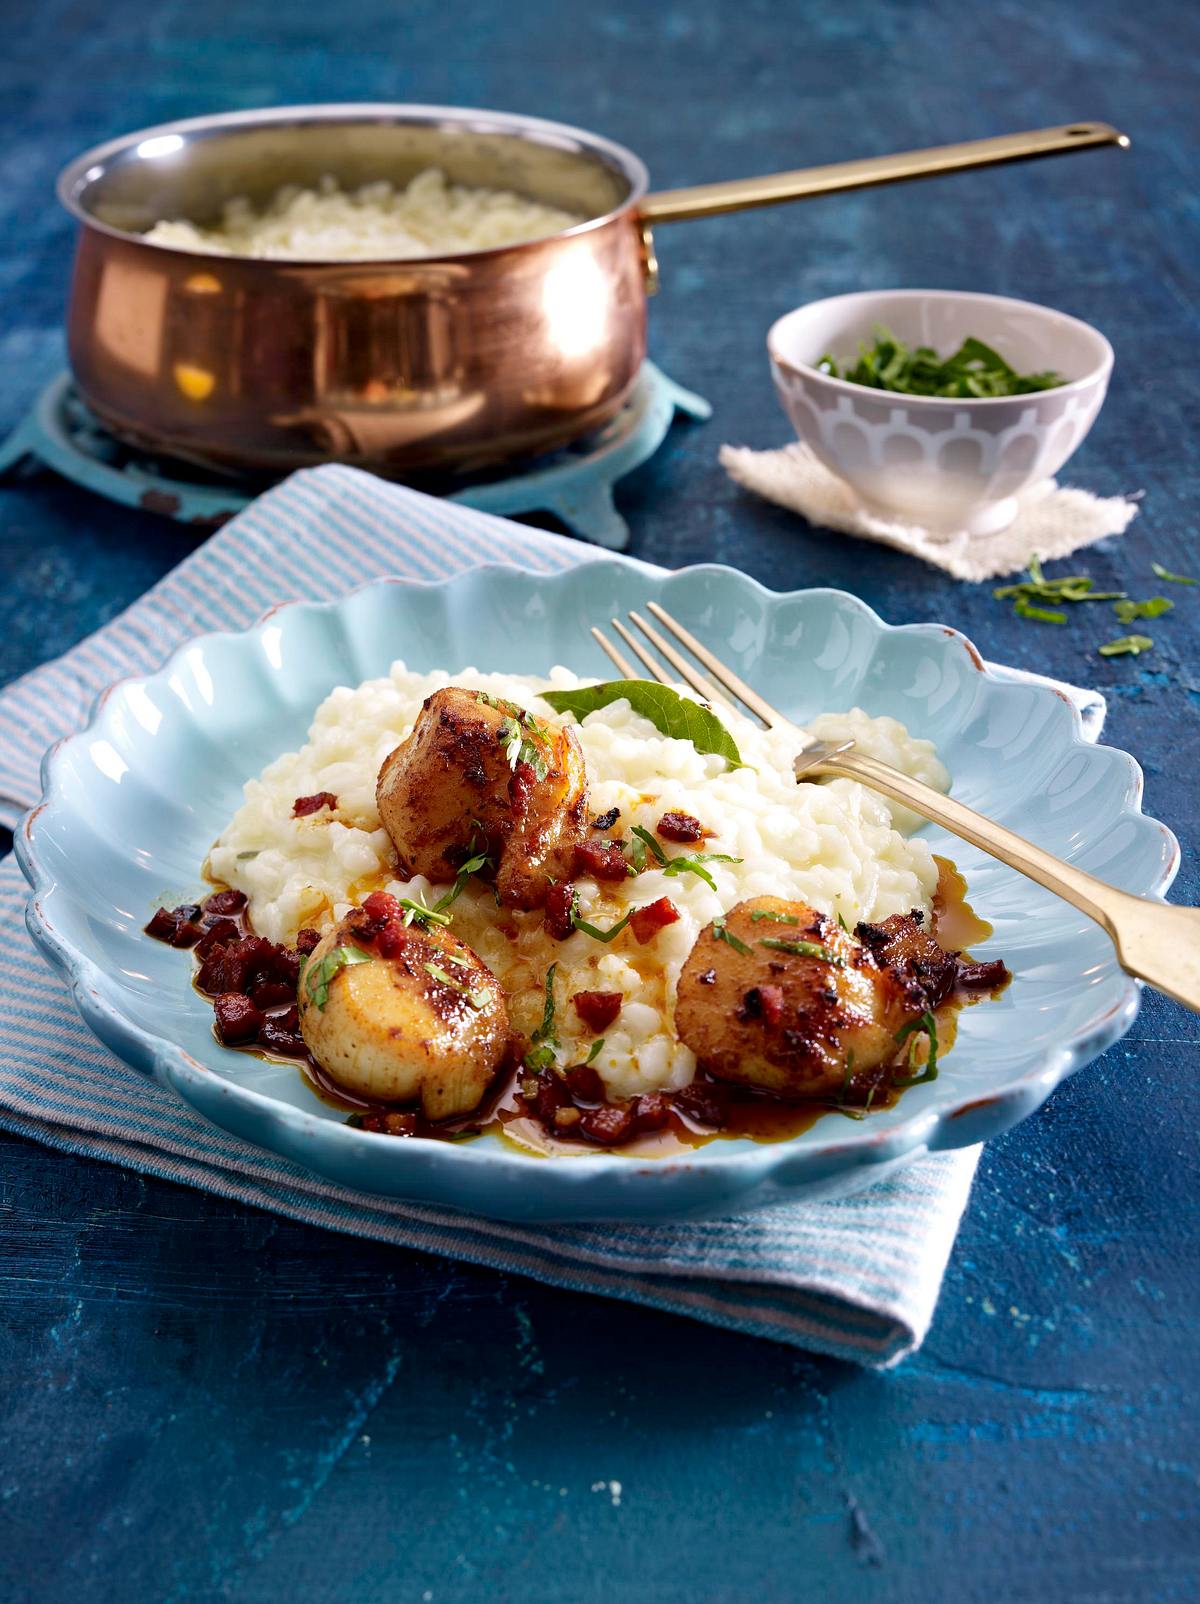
(1036, 588)
(975, 370)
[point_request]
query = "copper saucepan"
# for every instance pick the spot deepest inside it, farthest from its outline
(405, 367)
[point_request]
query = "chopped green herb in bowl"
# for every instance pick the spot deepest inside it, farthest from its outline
(975, 370)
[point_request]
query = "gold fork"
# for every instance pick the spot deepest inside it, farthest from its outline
(1155, 941)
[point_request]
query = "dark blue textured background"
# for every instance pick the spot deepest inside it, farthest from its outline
(201, 1402)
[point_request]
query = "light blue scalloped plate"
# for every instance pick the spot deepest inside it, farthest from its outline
(132, 804)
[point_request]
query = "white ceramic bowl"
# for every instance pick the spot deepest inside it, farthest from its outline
(946, 464)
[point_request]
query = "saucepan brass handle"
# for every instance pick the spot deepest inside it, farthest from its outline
(708, 200)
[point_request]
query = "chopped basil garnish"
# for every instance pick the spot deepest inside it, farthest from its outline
(1044, 615)
(806, 949)
(1126, 646)
(643, 840)
(518, 747)
(595, 931)
(545, 1031)
(317, 978)
(975, 369)
(775, 918)
(543, 1043)
(595, 1050)
(671, 714)
(466, 870)
(423, 915)
(722, 933)
(695, 865)
(927, 1024)
(1175, 579)
(1153, 607)
(843, 924)
(477, 997)
(1037, 588)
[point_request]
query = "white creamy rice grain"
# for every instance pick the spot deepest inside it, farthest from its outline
(427, 217)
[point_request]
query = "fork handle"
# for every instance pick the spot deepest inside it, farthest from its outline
(1155, 941)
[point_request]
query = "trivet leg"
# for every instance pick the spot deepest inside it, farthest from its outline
(687, 401)
(18, 446)
(591, 513)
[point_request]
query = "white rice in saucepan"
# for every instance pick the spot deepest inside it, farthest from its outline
(832, 845)
(428, 217)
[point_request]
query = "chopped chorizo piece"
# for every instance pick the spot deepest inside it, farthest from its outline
(162, 924)
(585, 1083)
(219, 934)
(560, 901)
(382, 906)
(304, 805)
(702, 1103)
(651, 1111)
(982, 977)
(238, 1020)
(392, 939)
(597, 1009)
(655, 916)
(282, 1035)
(607, 1126)
(389, 1122)
(680, 827)
(187, 932)
(180, 927)
(270, 993)
(602, 860)
(213, 975)
(546, 1094)
(605, 821)
(306, 941)
(223, 903)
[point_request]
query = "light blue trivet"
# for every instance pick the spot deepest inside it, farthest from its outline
(574, 484)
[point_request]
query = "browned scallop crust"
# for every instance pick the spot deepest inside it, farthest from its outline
(450, 790)
(791, 1022)
(392, 1032)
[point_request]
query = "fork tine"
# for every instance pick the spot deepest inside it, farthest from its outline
(623, 666)
(642, 655)
(688, 672)
(723, 675)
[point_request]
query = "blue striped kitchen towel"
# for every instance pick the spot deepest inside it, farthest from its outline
(856, 1278)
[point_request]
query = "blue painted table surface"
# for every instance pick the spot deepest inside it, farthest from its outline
(204, 1402)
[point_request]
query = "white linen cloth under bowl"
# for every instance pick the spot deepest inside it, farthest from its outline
(857, 1278)
(1052, 520)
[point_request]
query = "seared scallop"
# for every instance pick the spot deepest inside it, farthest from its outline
(478, 775)
(779, 996)
(399, 1014)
